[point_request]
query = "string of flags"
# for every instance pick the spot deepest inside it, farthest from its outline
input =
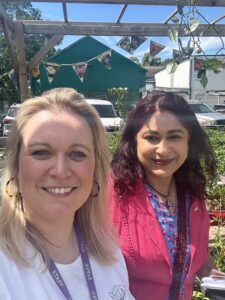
(127, 43)
(79, 68)
(130, 44)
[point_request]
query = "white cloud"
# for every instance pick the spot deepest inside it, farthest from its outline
(209, 43)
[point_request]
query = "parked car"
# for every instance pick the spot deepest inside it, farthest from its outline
(105, 109)
(207, 116)
(107, 114)
(9, 118)
(219, 108)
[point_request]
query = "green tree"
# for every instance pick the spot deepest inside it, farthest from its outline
(119, 95)
(134, 59)
(9, 93)
(148, 60)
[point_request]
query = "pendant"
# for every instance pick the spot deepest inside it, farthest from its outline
(169, 204)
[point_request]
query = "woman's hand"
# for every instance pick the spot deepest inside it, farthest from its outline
(208, 269)
(217, 274)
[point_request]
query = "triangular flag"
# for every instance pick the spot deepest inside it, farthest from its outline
(105, 59)
(155, 48)
(136, 41)
(12, 76)
(198, 64)
(35, 72)
(80, 69)
(125, 44)
(51, 69)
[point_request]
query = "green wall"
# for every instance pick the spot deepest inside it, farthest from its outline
(124, 72)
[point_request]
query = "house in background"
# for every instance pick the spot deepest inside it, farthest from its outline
(186, 81)
(150, 76)
(98, 79)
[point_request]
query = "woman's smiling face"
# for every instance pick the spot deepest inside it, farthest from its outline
(56, 164)
(162, 145)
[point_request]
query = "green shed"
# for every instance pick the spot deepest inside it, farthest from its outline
(98, 78)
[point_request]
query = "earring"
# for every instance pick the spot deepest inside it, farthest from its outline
(7, 188)
(94, 194)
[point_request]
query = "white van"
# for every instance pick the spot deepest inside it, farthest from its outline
(107, 113)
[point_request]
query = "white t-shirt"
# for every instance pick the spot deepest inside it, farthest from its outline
(35, 283)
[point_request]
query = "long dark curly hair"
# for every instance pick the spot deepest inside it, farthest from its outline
(200, 164)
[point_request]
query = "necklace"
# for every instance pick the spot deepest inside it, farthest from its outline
(169, 203)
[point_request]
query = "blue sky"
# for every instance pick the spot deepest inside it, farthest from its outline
(134, 14)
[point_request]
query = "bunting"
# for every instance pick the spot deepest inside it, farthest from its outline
(51, 69)
(136, 41)
(105, 59)
(155, 48)
(125, 44)
(35, 72)
(130, 44)
(80, 69)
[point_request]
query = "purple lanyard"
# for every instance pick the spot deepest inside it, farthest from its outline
(87, 271)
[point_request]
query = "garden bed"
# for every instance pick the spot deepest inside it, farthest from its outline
(217, 217)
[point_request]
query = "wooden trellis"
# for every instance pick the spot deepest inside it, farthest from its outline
(14, 30)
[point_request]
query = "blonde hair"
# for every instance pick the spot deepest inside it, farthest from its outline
(92, 217)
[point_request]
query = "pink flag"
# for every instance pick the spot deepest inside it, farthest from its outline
(155, 48)
(80, 69)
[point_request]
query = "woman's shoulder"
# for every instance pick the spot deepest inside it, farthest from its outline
(9, 264)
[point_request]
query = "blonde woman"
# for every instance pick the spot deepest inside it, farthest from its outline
(55, 240)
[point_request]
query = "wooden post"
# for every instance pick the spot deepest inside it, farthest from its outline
(21, 61)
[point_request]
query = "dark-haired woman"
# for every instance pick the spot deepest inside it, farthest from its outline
(157, 193)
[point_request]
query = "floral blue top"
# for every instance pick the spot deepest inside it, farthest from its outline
(168, 224)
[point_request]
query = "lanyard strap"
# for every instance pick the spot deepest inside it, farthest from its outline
(87, 271)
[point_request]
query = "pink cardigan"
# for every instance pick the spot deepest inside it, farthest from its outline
(143, 245)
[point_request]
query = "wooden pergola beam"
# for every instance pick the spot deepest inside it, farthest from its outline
(112, 29)
(42, 52)
(21, 60)
(65, 12)
(218, 19)
(121, 13)
(170, 17)
(215, 3)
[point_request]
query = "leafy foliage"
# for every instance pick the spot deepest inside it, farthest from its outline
(148, 60)
(134, 59)
(33, 43)
(217, 139)
(190, 20)
(198, 295)
(113, 140)
(119, 95)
